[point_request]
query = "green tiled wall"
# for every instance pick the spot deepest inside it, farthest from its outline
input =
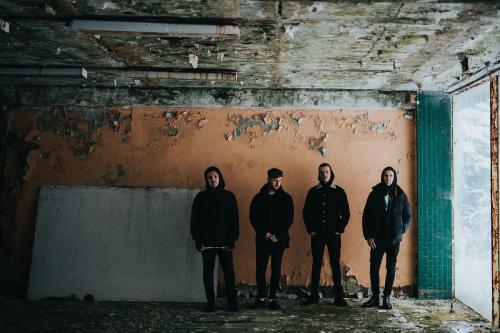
(434, 174)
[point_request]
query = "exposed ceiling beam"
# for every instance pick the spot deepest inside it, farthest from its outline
(483, 73)
(155, 29)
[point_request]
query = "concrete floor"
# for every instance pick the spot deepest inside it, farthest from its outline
(71, 315)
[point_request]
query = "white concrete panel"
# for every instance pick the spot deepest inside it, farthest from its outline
(116, 244)
(472, 194)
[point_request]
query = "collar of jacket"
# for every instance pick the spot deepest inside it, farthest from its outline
(332, 185)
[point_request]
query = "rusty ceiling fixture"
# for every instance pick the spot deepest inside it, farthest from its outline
(230, 76)
(76, 72)
(155, 29)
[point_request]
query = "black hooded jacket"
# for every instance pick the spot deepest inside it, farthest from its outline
(272, 213)
(214, 216)
(390, 224)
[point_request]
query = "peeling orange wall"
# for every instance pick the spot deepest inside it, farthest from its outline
(172, 147)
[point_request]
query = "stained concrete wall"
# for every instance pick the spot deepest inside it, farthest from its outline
(472, 241)
(115, 244)
(171, 147)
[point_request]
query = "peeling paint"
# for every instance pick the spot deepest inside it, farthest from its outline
(265, 123)
(318, 143)
(79, 129)
(417, 42)
(151, 157)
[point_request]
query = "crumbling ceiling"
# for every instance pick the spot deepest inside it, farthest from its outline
(379, 45)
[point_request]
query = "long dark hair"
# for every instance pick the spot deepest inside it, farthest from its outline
(392, 190)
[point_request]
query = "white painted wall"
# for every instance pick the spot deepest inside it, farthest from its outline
(116, 244)
(472, 199)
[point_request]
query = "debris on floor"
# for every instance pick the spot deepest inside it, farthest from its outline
(72, 315)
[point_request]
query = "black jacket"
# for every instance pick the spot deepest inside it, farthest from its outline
(214, 219)
(273, 214)
(326, 210)
(375, 218)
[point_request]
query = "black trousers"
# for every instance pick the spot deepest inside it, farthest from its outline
(333, 243)
(226, 263)
(263, 252)
(376, 254)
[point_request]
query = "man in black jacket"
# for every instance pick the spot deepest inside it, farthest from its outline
(326, 213)
(271, 215)
(386, 218)
(215, 229)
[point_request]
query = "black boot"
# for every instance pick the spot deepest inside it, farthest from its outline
(210, 307)
(386, 303)
(372, 302)
(339, 301)
(232, 305)
(339, 298)
(259, 303)
(273, 305)
(311, 300)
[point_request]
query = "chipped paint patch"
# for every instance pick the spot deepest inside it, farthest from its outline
(290, 30)
(318, 143)
(193, 60)
(264, 123)
(316, 7)
(350, 282)
(220, 56)
(108, 5)
(379, 128)
(202, 122)
(115, 174)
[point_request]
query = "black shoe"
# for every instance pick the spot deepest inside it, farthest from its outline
(233, 307)
(311, 300)
(386, 303)
(339, 301)
(273, 305)
(259, 304)
(210, 307)
(372, 302)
